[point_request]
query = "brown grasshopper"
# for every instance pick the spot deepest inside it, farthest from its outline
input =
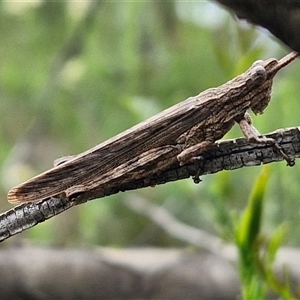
(180, 133)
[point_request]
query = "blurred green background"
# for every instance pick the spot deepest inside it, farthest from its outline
(73, 74)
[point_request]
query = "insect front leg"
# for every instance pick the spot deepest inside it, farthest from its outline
(252, 135)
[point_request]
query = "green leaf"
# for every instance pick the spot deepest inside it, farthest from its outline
(276, 241)
(251, 219)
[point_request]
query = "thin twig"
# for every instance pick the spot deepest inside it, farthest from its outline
(227, 155)
(165, 220)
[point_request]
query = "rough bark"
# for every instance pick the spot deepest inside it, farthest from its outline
(227, 155)
(280, 17)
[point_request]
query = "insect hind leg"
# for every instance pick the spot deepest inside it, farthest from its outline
(193, 155)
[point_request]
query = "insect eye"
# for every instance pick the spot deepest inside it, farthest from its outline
(258, 74)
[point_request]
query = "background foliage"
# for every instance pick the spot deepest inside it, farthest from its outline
(75, 74)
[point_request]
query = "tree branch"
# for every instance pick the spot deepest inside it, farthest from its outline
(226, 155)
(281, 18)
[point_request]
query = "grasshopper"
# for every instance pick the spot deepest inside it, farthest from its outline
(178, 134)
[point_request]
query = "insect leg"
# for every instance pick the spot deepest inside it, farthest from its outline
(191, 155)
(63, 159)
(252, 135)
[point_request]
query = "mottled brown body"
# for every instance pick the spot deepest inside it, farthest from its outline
(180, 133)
